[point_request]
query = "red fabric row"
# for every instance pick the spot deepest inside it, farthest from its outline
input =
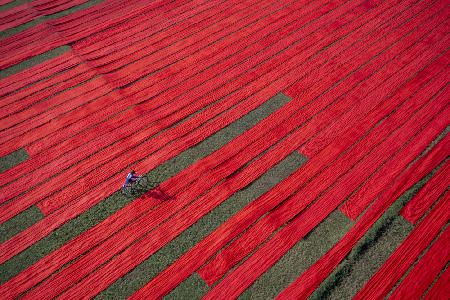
(27, 36)
(29, 43)
(36, 161)
(42, 269)
(185, 128)
(426, 270)
(27, 12)
(224, 49)
(155, 61)
(37, 92)
(134, 232)
(52, 7)
(52, 107)
(11, 142)
(132, 26)
(174, 39)
(126, 214)
(34, 231)
(188, 23)
(37, 73)
(405, 255)
(323, 138)
(440, 289)
(104, 8)
(53, 139)
(58, 32)
(83, 23)
(425, 198)
(31, 172)
(247, 49)
(168, 230)
(170, 82)
(359, 201)
(303, 286)
(16, 16)
(42, 228)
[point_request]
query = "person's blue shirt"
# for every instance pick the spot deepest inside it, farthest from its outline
(131, 177)
(128, 179)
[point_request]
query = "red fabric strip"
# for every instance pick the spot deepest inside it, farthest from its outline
(303, 286)
(405, 255)
(440, 289)
(426, 270)
(425, 198)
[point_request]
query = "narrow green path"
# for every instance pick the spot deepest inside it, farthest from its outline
(12, 159)
(371, 259)
(20, 222)
(116, 201)
(192, 288)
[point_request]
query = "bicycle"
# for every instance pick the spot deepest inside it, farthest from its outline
(141, 184)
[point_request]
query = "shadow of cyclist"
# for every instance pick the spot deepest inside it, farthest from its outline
(159, 194)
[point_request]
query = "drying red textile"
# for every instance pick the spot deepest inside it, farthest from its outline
(254, 80)
(245, 274)
(36, 273)
(42, 112)
(100, 156)
(135, 25)
(45, 142)
(303, 286)
(242, 246)
(43, 89)
(16, 16)
(440, 289)
(37, 73)
(405, 255)
(164, 282)
(426, 270)
(362, 198)
(425, 198)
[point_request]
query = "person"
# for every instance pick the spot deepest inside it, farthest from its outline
(131, 178)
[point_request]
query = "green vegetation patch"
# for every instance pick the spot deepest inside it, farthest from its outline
(134, 280)
(370, 259)
(13, 159)
(19, 223)
(299, 258)
(116, 201)
(192, 288)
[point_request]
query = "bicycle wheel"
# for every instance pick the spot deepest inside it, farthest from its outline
(143, 181)
(127, 191)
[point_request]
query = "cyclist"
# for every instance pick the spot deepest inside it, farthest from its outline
(131, 178)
